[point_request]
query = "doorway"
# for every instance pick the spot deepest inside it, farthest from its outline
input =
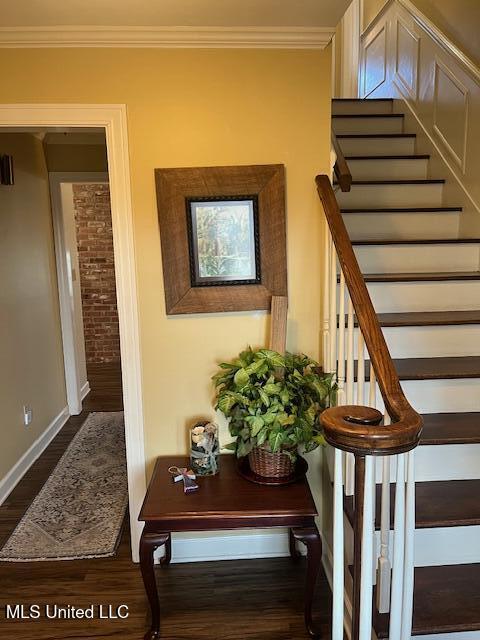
(112, 120)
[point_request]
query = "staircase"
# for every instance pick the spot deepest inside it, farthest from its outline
(424, 281)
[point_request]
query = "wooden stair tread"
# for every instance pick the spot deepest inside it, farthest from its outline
(450, 428)
(376, 241)
(417, 156)
(443, 503)
(376, 135)
(362, 99)
(447, 600)
(402, 210)
(432, 276)
(426, 318)
(408, 181)
(445, 368)
(368, 115)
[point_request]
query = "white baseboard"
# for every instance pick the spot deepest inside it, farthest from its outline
(229, 545)
(16, 473)
(85, 390)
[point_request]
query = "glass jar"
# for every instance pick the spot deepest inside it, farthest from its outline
(204, 450)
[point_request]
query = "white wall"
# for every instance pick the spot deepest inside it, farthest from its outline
(31, 357)
(404, 55)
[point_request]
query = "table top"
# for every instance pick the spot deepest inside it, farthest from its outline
(223, 500)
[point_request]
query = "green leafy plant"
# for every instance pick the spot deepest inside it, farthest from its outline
(273, 400)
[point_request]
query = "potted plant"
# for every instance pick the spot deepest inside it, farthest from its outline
(273, 403)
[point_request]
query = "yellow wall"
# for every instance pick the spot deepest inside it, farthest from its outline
(458, 19)
(195, 108)
(31, 358)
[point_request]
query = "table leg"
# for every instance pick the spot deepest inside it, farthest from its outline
(148, 543)
(292, 545)
(311, 539)
(168, 551)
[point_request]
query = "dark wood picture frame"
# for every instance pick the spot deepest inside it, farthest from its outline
(175, 188)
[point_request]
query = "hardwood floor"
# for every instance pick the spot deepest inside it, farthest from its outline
(229, 600)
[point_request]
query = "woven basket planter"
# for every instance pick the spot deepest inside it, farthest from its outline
(270, 465)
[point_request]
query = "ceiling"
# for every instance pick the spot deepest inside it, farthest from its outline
(171, 13)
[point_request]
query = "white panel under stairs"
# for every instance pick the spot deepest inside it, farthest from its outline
(386, 123)
(395, 225)
(393, 258)
(425, 296)
(354, 106)
(430, 342)
(388, 167)
(377, 145)
(392, 194)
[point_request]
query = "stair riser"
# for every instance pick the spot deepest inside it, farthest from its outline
(430, 258)
(377, 146)
(440, 396)
(367, 125)
(399, 226)
(361, 107)
(447, 545)
(455, 295)
(435, 547)
(431, 342)
(388, 169)
(391, 195)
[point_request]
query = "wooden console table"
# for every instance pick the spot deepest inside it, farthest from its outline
(224, 501)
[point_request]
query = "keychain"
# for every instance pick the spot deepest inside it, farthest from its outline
(186, 475)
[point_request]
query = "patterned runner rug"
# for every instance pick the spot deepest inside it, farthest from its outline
(80, 510)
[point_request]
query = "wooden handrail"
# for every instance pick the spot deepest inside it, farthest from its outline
(342, 172)
(355, 428)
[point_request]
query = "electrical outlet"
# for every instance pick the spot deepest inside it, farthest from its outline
(27, 415)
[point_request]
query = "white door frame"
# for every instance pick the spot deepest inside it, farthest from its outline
(113, 118)
(67, 264)
(350, 54)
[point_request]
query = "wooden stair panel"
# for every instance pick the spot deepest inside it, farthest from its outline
(427, 318)
(451, 428)
(433, 276)
(448, 368)
(446, 600)
(449, 503)
(415, 241)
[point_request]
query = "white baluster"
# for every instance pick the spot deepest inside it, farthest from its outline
(384, 566)
(349, 461)
(360, 368)
(326, 301)
(333, 309)
(338, 549)
(350, 354)
(409, 562)
(396, 606)
(341, 342)
(372, 391)
(367, 554)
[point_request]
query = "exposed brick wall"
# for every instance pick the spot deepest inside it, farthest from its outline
(97, 272)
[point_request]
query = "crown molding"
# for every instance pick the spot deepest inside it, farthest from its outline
(167, 37)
